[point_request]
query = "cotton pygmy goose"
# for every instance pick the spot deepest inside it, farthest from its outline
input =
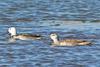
(67, 42)
(13, 33)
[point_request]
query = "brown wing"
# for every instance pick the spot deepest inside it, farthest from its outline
(30, 35)
(78, 42)
(75, 40)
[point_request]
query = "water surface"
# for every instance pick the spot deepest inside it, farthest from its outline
(77, 19)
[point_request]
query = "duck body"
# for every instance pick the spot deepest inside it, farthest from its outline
(26, 36)
(68, 42)
(71, 42)
(14, 35)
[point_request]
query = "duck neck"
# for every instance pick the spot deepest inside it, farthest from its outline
(55, 41)
(13, 33)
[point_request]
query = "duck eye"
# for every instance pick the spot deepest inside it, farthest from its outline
(53, 35)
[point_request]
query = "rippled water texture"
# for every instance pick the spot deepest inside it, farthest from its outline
(77, 19)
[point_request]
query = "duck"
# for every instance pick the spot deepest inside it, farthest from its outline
(67, 42)
(14, 35)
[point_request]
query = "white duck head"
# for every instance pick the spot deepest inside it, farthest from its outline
(12, 31)
(53, 36)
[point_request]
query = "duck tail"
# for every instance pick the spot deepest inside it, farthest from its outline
(85, 43)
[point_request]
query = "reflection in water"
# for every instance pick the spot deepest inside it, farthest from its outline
(10, 40)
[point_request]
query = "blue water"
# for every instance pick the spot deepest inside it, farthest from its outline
(77, 19)
(11, 10)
